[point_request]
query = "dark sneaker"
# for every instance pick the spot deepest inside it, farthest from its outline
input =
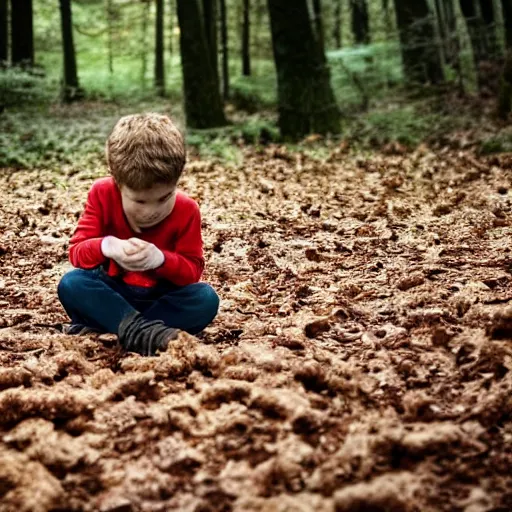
(78, 329)
(143, 336)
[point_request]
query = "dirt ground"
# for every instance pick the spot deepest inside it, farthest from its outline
(361, 360)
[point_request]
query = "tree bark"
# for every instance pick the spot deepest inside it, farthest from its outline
(471, 11)
(506, 6)
(505, 92)
(360, 21)
(203, 104)
(4, 38)
(71, 89)
(306, 100)
(490, 29)
(337, 24)
(171, 28)
(319, 25)
(225, 49)
(420, 56)
(246, 40)
(159, 49)
(210, 27)
(22, 33)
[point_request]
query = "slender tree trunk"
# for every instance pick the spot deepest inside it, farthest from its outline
(337, 24)
(489, 29)
(506, 6)
(471, 11)
(210, 26)
(306, 100)
(143, 54)
(171, 28)
(4, 38)
(203, 104)
(505, 92)
(246, 40)
(360, 21)
(159, 49)
(71, 89)
(388, 24)
(225, 49)
(420, 55)
(319, 25)
(110, 37)
(22, 33)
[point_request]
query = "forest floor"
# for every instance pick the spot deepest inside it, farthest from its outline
(361, 359)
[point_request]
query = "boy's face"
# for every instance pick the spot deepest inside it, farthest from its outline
(146, 208)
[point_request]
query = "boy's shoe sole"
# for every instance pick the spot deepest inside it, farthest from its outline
(78, 330)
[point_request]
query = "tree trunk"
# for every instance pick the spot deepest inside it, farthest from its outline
(22, 34)
(490, 29)
(4, 37)
(210, 27)
(420, 56)
(505, 92)
(306, 100)
(171, 28)
(225, 49)
(506, 6)
(71, 89)
(471, 11)
(110, 39)
(203, 104)
(337, 24)
(159, 49)
(246, 40)
(143, 44)
(360, 21)
(319, 25)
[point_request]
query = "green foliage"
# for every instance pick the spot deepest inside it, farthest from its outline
(23, 87)
(363, 73)
(499, 143)
(226, 143)
(40, 138)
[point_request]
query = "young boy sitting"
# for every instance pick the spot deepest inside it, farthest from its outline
(137, 248)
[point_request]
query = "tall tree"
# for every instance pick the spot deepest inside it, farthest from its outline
(472, 14)
(210, 27)
(318, 24)
(22, 33)
(203, 104)
(225, 49)
(506, 6)
(71, 89)
(246, 39)
(306, 100)
(159, 49)
(336, 31)
(420, 53)
(360, 21)
(4, 37)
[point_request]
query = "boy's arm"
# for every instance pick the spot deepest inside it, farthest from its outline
(185, 264)
(85, 244)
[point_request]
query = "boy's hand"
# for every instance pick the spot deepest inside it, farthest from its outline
(133, 254)
(142, 255)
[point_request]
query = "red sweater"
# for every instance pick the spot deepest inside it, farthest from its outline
(178, 236)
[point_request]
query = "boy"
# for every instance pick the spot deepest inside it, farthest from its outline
(137, 247)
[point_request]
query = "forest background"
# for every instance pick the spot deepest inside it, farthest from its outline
(383, 68)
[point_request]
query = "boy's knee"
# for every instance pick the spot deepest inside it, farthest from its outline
(71, 282)
(208, 296)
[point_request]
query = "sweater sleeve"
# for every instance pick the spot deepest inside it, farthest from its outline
(85, 244)
(185, 264)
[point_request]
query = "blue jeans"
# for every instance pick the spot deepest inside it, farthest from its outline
(94, 299)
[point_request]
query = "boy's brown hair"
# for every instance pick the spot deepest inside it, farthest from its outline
(144, 150)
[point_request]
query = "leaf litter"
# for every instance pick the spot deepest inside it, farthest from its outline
(360, 361)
